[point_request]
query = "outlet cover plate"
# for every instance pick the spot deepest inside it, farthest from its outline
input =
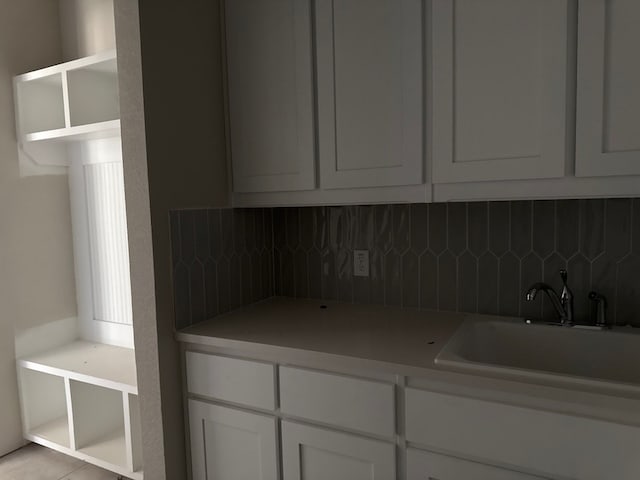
(361, 263)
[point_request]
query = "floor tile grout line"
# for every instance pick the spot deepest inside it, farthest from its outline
(39, 454)
(82, 465)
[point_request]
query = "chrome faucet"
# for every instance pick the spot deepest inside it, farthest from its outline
(566, 297)
(563, 303)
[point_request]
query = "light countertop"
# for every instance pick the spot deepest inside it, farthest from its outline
(369, 332)
(389, 340)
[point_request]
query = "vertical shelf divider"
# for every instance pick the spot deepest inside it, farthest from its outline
(127, 430)
(65, 100)
(72, 430)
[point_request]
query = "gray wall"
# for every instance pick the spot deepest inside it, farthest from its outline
(37, 284)
(36, 255)
(87, 27)
(468, 257)
(174, 157)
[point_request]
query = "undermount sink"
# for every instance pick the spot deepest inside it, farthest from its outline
(551, 354)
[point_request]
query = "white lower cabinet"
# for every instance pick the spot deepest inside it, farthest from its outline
(230, 444)
(432, 466)
(232, 380)
(318, 425)
(554, 444)
(345, 402)
(310, 453)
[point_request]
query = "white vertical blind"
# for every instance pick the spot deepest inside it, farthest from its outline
(109, 251)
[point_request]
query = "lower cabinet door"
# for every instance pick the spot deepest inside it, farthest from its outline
(229, 444)
(431, 466)
(310, 453)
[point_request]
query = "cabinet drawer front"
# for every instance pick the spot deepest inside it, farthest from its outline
(231, 379)
(431, 465)
(550, 443)
(357, 404)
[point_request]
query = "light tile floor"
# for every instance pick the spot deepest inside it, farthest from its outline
(34, 462)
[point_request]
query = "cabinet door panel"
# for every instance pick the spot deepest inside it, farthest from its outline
(310, 453)
(229, 444)
(431, 466)
(370, 92)
(608, 110)
(270, 94)
(499, 89)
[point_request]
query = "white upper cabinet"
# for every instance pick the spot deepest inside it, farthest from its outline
(500, 71)
(370, 83)
(269, 68)
(608, 109)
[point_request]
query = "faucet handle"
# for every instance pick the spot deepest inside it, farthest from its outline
(601, 309)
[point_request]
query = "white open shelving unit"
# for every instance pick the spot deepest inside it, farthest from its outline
(65, 103)
(82, 400)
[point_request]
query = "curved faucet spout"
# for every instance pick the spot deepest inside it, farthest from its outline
(553, 296)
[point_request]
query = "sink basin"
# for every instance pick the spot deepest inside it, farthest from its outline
(551, 354)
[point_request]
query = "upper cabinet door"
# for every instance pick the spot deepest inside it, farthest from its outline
(608, 110)
(270, 87)
(370, 83)
(500, 74)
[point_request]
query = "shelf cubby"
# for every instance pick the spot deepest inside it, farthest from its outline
(41, 102)
(99, 423)
(81, 399)
(93, 93)
(70, 102)
(44, 405)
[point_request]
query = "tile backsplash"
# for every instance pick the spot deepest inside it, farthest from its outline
(469, 257)
(222, 259)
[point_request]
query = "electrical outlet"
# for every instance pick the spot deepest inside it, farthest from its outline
(361, 263)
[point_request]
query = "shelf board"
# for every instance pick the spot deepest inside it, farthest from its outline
(111, 449)
(108, 129)
(55, 431)
(94, 363)
(86, 63)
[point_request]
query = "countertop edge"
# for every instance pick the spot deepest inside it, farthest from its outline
(553, 398)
